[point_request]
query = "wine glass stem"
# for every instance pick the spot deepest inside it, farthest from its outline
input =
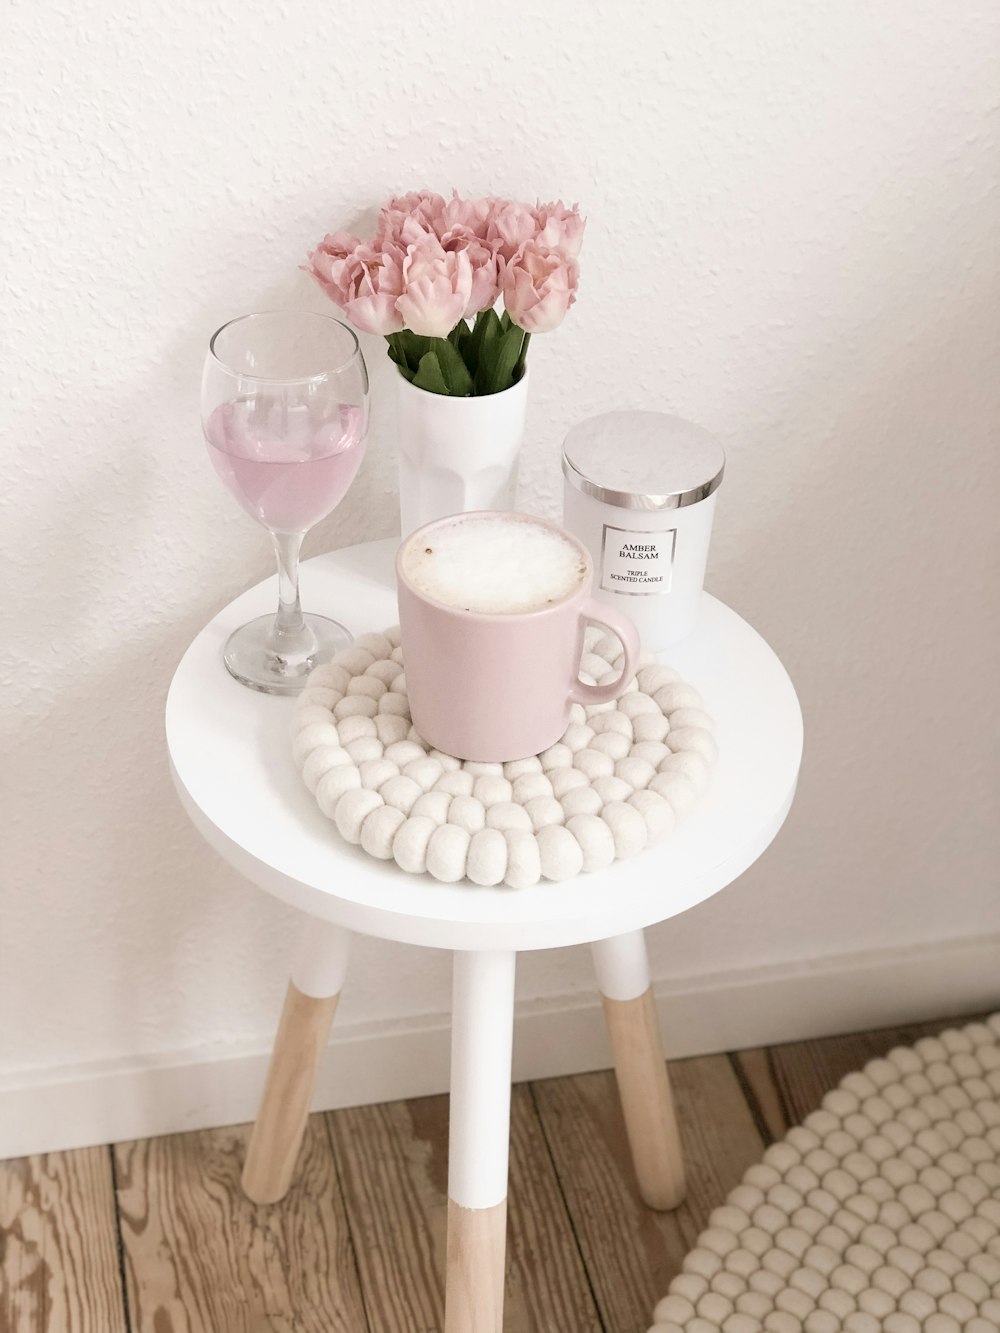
(288, 621)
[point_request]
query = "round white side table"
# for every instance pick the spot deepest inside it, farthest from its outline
(231, 761)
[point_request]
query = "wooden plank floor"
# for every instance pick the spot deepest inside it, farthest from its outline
(156, 1236)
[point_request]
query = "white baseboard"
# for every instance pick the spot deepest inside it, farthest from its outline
(75, 1106)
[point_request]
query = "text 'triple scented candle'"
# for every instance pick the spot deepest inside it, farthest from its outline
(640, 492)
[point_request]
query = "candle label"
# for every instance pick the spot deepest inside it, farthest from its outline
(637, 563)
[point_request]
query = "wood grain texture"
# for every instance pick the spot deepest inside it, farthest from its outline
(787, 1082)
(631, 1252)
(276, 1138)
(475, 1268)
(646, 1099)
(393, 1161)
(201, 1258)
(59, 1269)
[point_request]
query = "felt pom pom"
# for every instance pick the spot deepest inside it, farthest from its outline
(492, 790)
(524, 863)
(677, 695)
(319, 763)
(543, 811)
(583, 801)
(396, 704)
(332, 676)
(377, 645)
(369, 686)
(611, 743)
(693, 738)
(433, 805)
(560, 855)
(386, 671)
(505, 815)
(355, 660)
(355, 705)
(401, 793)
(659, 816)
(374, 772)
(332, 786)
(592, 764)
(303, 717)
(616, 722)
(595, 839)
(363, 749)
(425, 772)
(457, 782)
(447, 851)
(409, 846)
(529, 785)
(353, 809)
(467, 813)
(357, 728)
(637, 705)
(628, 828)
(650, 727)
(566, 779)
(487, 859)
(611, 789)
(311, 738)
(379, 829)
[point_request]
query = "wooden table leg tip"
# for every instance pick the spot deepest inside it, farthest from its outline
(262, 1193)
(664, 1201)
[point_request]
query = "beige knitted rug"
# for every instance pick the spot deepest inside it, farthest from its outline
(879, 1214)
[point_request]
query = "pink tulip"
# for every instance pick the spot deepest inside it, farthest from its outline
(372, 306)
(511, 226)
(539, 286)
(474, 215)
(335, 265)
(487, 267)
(424, 203)
(437, 288)
(363, 280)
(559, 226)
(408, 218)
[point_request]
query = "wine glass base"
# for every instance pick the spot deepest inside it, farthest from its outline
(252, 658)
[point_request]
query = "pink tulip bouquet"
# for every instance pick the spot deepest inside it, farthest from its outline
(435, 270)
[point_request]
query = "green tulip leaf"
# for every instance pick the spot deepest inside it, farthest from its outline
(416, 345)
(504, 360)
(429, 376)
(489, 334)
(487, 329)
(453, 368)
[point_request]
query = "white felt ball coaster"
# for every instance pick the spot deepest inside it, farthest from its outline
(623, 775)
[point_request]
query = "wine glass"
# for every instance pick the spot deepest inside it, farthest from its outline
(284, 409)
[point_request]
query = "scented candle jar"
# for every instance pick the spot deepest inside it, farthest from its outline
(640, 492)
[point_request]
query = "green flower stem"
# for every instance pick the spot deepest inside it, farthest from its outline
(522, 358)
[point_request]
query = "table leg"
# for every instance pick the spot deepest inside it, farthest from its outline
(478, 1142)
(647, 1104)
(310, 1003)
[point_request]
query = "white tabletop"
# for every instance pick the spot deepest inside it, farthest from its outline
(231, 760)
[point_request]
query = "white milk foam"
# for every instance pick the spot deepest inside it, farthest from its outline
(495, 566)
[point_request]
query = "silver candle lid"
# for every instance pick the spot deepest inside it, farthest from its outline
(643, 460)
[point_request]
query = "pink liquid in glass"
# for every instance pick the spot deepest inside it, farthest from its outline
(288, 466)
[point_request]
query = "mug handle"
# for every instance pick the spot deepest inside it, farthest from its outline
(616, 621)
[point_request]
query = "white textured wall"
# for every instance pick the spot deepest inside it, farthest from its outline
(792, 240)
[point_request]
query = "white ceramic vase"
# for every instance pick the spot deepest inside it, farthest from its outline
(457, 454)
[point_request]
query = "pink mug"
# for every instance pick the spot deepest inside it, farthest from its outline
(492, 687)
